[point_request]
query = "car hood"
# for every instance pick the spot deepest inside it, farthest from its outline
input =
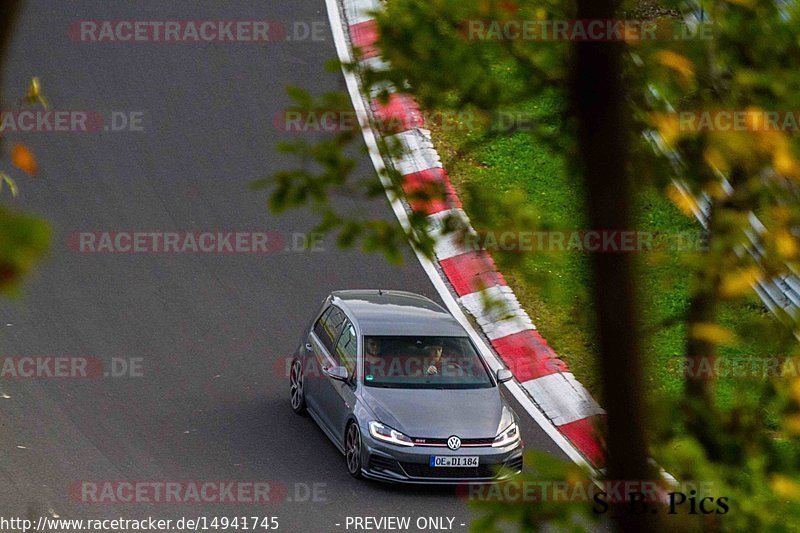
(425, 413)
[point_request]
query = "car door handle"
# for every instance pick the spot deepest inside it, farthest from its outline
(308, 347)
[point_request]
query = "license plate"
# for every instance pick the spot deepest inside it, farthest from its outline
(449, 461)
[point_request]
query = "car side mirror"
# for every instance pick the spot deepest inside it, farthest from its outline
(339, 373)
(503, 375)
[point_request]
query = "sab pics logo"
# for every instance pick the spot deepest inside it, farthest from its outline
(641, 502)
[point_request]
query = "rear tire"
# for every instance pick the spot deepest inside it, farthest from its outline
(352, 448)
(297, 394)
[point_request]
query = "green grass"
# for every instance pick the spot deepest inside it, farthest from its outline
(553, 287)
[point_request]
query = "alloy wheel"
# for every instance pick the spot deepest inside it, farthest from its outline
(296, 387)
(353, 450)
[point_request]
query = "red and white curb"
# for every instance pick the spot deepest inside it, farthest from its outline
(543, 384)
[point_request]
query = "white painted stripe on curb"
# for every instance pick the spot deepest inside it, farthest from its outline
(447, 245)
(378, 88)
(562, 398)
(514, 387)
(418, 151)
(375, 64)
(507, 327)
(358, 11)
(502, 316)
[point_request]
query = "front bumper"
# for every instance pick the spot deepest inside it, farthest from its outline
(399, 464)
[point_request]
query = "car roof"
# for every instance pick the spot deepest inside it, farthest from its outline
(382, 312)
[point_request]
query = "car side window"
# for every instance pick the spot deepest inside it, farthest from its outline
(346, 348)
(329, 325)
(319, 325)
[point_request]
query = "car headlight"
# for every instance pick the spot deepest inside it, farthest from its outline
(386, 434)
(510, 435)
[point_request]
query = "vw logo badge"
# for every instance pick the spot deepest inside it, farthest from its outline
(454, 443)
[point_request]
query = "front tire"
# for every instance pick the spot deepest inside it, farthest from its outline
(296, 392)
(353, 450)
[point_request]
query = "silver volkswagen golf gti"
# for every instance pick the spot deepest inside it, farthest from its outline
(396, 383)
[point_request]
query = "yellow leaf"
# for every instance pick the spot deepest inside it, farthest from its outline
(682, 201)
(715, 190)
(716, 160)
(794, 390)
(713, 333)
(785, 163)
(738, 283)
(676, 62)
(785, 487)
(792, 424)
(12, 186)
(786, 243)
(668, 125)
(22, 158)
(34, 95)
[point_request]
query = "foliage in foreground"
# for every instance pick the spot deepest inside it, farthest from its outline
(746, 63)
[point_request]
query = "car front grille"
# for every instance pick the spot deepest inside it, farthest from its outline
(421, 470)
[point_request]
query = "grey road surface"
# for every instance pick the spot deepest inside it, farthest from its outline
(211, 329)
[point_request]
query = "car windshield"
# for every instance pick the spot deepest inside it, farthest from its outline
(423, 363)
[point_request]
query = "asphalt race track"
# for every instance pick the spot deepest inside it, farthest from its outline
(211, 329)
